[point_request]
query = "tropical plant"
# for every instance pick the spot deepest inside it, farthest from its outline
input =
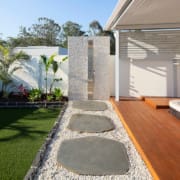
(35, 94)
(58, 94)
(95, 29)
(50, 97)
(55, 69)
(7, 58)
(47, 63)
(50, 62)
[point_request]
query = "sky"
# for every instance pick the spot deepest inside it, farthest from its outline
(16, 13)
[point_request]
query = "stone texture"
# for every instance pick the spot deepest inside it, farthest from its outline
(90, 123)
(78, 68)
(93, 156)
(101, 57)
(90, 105)
(50, 169)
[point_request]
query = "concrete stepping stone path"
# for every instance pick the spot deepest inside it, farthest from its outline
(93, 156)
(82, 156)
(90, 123)
(90, 105)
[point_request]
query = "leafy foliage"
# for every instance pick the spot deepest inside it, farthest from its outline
(7, 59)
(95, 29)
(70, 29)
(58, 94)
(50, 62)
(47, 63)
(45, 32)
(50, 97)
(34, 94)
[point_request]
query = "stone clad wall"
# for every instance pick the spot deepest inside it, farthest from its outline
(78, 68)
(101, 67)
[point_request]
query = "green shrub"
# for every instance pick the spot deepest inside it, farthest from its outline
(58, 94)
(50, 97)
(35, 94)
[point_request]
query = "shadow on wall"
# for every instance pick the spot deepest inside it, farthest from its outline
(29, 74)
(147, 61)
(32, 75)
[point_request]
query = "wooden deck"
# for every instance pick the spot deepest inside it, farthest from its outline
(155, 134)
(158, 102)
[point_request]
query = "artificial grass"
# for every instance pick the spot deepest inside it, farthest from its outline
(22, 132)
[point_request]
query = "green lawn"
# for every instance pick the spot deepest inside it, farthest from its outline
(22, 132)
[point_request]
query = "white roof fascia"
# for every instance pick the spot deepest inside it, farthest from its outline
(120, 9)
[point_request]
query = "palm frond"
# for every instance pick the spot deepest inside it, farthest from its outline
(51, 59)
(4, 51)
(2, 62)
(21, 55)
(14, 69)
(5, 78)
(65, 58)
(54, 66)
(44, 59)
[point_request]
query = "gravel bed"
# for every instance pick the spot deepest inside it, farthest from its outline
(51, 170)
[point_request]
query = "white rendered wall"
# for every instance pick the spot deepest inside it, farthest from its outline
(32, 73)
(146, 63)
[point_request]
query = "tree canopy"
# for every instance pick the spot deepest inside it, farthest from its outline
(70, 29)
(47, 32)
(95, 29)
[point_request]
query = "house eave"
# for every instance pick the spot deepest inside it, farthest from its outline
(121, 6)
(148, 26)
(136, 14)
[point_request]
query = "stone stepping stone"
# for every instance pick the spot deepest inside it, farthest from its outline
(93, 156)
(90, 123)
(90, 105)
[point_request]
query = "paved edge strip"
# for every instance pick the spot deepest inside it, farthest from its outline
(135, 142)
(37, 162)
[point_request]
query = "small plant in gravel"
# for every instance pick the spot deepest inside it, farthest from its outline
(35, 94)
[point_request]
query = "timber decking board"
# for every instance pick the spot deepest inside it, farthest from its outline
(158, 102)
(156, 135)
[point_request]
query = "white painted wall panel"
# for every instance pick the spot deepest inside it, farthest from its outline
(146, 63)
(32, 73)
